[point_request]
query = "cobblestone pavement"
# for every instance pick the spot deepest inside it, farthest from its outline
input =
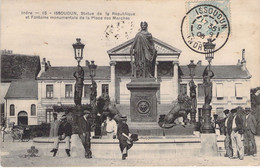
(13, 155)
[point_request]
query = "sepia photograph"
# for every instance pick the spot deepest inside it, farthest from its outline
(130, 83)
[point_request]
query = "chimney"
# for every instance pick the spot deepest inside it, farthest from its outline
(87, 63)
(199, 62)
(243, 61)
(49, 63)
(43, 65)
(238, 62)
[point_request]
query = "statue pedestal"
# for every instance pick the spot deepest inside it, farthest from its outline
(208, 145)
(143, 102)
(77, 149)
(207, 126)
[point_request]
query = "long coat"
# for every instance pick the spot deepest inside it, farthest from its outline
(84, 126)
(239, 125)
(251, 123)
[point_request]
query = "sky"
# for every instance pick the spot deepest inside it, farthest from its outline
(53, 38)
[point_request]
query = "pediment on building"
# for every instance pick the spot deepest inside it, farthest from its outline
(161, 47)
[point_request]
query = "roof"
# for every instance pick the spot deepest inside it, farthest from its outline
(220, 71)
(161, 47)
(66, 73)
(23, 89)
(103, 72)
(17, 66)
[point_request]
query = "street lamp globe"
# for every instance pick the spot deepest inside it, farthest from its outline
(192, 67)
(209, 48)
(78, 50)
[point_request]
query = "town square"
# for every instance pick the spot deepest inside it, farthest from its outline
(89, 84)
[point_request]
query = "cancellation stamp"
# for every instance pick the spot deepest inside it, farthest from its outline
(203, 22)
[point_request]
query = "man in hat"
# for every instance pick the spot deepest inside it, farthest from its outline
(249, 134)
(224, 126)
(111, 127)
(236, 136)
(84, 133)
(64, 133)
(123, 134)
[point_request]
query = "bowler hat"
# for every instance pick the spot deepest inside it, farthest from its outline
(123, 118)
(247, 109)
(226, 111)
(63, 117)
(233, 110)
(86, 112)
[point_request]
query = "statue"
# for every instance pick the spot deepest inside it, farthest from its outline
(144, 54)
(193, 94)
(208, 74)
(93, 95)
(79, 75)
(181, 109)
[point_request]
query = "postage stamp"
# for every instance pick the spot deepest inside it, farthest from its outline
(203, 22)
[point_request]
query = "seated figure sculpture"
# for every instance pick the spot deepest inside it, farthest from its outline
(181, 109)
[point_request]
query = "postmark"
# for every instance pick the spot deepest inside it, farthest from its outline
(204, 22)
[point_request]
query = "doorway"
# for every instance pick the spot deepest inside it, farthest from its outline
(22, 118)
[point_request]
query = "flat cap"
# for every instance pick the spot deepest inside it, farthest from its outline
(226, 111)
(233, 110)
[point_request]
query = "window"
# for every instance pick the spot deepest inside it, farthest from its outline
(33, 110)
(12, 111)
(49, 91)
(87, 90)
(238, 90)
(183, 88)
(68, 91)
(49, 115)
(219, 91)
(200, 90)
(105, 89)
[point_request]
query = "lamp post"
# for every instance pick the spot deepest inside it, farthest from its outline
(208, 74)
(93, 95)
(92, 69)
(193, 94)
(79, 75)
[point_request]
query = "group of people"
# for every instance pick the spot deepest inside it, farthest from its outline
(239, 130)
(62, 130)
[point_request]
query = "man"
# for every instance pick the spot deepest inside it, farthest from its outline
(3, 127)
(223, 123)
(64, 133)
(123, 135)
(144, 53)
(54, 126)
(249, 135)
(236, 136)
(84, 133)
(111, 127)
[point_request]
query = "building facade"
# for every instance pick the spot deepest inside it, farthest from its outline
(55, 85)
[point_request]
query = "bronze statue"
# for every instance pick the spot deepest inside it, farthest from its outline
(180, 109)
(144, 54)
(193, 94)
(79, 75)
(208, 74)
